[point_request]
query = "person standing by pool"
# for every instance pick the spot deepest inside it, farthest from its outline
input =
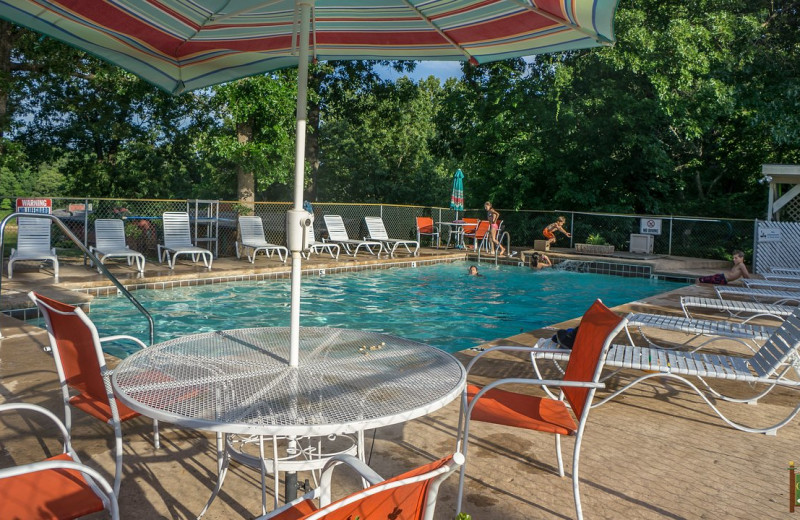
(550, 231)
(493, 216)
(738, 270)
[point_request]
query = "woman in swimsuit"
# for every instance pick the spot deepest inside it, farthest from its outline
(492, 216)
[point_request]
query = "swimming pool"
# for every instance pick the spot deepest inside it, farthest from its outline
(439, 305)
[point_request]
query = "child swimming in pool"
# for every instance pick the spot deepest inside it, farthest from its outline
(550, 231)
(739, 270)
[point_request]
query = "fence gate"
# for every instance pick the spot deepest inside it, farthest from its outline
(777, 244)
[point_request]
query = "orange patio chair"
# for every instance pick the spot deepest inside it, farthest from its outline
(425, 226)
(490, 404)
(409, 496)
(81, 368)
(479, 234)
(59, 487)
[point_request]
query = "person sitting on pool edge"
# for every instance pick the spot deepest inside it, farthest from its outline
(738, 270)
(540, 261)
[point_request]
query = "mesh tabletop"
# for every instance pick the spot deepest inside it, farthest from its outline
(240, 381)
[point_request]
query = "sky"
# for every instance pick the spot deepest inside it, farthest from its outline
(441, 69)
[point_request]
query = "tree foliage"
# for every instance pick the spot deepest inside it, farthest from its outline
(676, 117)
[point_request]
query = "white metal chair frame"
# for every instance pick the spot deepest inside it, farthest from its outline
(377, 231)
(178, 241)
(737, 308)
(105, 373)
(338, 235)
(252, 240)
(759, 295)
(592, 386)
(769, 366)
(94, 480)
(792, 285)
(110, 243)
(717, 330)
(33, 243)
(312, 246)
(376, 483)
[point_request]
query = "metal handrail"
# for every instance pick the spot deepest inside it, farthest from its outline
(121, 288)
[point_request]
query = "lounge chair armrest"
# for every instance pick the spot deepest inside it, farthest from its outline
(123, 337)
(511, 348)
(539, 382)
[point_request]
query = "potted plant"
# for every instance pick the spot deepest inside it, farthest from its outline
(595, 245)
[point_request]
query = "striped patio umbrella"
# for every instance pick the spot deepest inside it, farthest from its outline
(181, 45)
(457, 195)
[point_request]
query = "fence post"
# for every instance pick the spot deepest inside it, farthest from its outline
(571, 228)
(669, 248)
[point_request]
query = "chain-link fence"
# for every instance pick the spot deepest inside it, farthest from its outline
(215, 223)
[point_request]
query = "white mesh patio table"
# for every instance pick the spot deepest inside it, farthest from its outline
(240, 381)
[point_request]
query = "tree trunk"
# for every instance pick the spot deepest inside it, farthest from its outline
(246, 180)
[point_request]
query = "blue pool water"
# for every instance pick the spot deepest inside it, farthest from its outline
(439, 305)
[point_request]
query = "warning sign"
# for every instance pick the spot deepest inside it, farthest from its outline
(650, 226)
(35, 206)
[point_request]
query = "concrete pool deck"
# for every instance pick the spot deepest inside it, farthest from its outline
(655, 452)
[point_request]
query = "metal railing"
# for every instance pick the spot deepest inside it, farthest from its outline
(100, 266)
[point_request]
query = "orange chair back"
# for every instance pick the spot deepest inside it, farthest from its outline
(76, 350)
(471, 224)
(425, 225)
(596, 325)
(482, 229)
(406, 502)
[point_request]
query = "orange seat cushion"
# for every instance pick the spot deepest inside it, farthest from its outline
(521, 411)
(99, 409)
(54, 494)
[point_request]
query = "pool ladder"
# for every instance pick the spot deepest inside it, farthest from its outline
(100, 266)
(503, 236)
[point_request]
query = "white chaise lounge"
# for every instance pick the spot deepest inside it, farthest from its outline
(338, 235)
(178, 241)
(377, 231)
(252, 240)
(109, 238)
(33, 243)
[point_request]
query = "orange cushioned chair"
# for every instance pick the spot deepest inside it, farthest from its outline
(425, 226)
(82, 367)
(57, 488)
(479, 234)
(410, 496)
(598, 328)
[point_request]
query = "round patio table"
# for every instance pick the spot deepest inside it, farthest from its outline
(240, 382)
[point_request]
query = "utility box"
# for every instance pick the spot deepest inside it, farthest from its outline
(641, 243)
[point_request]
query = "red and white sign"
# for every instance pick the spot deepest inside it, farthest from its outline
(35, 206)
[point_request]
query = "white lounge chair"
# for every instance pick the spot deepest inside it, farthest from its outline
(792, 271)
(715, 329)
(759, 295)
(178, 240)
(251, 234)
(33, 243)
(737, 308)
(338, 234)
(312, 246)
(757, 283)
(109, 238)
(377, 231)
(769, 366)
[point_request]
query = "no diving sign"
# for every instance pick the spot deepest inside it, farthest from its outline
(650, 226)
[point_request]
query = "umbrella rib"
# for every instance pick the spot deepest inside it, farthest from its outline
(599, 38)
(436, 28)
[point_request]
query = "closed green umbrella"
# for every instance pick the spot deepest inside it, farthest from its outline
(457, 196)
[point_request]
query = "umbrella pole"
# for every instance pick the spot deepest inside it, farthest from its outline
(299, 166)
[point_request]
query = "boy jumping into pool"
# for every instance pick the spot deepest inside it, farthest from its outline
(550, 231)
(739, 270)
